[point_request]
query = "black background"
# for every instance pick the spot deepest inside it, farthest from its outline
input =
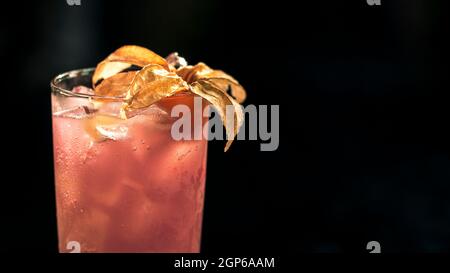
(363, 95)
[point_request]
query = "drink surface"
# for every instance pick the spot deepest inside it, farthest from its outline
(126, 185)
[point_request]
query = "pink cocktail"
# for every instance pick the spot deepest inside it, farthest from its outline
(124, 185)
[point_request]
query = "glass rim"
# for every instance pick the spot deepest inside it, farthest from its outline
(84, 72)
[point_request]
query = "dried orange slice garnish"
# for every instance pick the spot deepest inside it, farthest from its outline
(144, 78)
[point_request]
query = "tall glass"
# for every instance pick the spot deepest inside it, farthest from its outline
(123, 185)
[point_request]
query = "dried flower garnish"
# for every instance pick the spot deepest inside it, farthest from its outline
(151, 84)
(220, 100)
(143, 78)
(124, 58)
(115, 85)
(218, 78)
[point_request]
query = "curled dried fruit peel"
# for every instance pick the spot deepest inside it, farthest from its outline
(154, 78)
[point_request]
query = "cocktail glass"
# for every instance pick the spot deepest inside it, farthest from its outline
(123, 185)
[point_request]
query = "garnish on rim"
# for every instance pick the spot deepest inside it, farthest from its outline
(143, 77)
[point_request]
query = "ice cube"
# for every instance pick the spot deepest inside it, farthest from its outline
(114, 132)
(101, 127)
(62, 103)
(152, 110)
(151, 118)
(155, 111)
(109, 108)
(81, 89)
(78, 112)
(176, 61)
(74, 106)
